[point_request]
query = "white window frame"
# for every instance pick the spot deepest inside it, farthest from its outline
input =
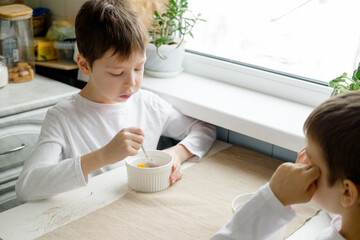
(285, 87)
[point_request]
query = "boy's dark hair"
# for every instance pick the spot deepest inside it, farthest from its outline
(109, 24)
(335, 126)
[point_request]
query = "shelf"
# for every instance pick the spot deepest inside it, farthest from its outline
(58, 64)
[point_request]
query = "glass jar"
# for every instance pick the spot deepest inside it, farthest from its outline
(3, 72)
(17, 42)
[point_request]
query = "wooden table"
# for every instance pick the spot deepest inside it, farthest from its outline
(196, 206)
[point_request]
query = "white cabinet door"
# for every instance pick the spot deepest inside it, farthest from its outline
(18, 135)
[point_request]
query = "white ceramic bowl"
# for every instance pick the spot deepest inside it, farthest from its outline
(149, 179)
(240, 200)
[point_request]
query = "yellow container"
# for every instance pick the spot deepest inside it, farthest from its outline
(45, 50)
(17, 42)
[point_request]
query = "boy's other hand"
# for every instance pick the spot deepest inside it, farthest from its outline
(180, 154)
(294, 183)
(126, 143)
(176, 173)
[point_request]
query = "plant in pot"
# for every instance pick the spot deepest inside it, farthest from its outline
(165, 51)
(345, 84)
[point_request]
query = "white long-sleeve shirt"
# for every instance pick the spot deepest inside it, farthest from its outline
(78, 126)
(263, 215)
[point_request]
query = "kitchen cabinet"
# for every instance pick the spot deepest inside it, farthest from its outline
(18, 134)
(22, 110)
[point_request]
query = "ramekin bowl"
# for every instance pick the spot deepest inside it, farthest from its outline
(152, 179)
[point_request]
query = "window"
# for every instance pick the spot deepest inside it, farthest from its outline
(316, 40)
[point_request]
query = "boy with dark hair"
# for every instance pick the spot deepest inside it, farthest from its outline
(327, 171)
(110, 118)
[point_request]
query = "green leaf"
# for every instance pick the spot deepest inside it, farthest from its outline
(164, 39)
(357, 85)
(352, 86)
(173, 2)
(337, 81)
(356, 74)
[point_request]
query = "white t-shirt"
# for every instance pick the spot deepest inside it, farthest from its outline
(263, 215)
(78, 126)
(332, 232)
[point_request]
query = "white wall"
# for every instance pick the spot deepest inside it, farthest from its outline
(60, 9)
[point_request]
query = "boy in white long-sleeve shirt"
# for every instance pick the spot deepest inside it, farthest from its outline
(110, 118)
(327, 171)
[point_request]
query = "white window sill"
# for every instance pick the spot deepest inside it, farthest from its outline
(264, 117)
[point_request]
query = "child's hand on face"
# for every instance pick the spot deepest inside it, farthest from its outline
(294, 183)
(126, 143)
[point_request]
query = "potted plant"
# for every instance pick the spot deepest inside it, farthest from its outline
(166, 49)
(344, 83)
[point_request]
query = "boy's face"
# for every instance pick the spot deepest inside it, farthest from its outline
(325, 196)
(114, 81)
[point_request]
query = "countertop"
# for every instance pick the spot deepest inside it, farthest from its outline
(41, 92)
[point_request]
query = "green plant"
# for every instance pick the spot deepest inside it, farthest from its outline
(172, 23)
(345, 84)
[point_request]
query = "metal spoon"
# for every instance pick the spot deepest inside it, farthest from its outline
(152, 162)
